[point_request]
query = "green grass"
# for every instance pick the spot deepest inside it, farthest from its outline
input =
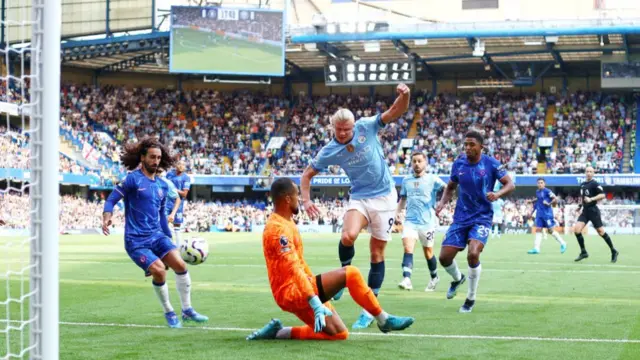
(195, 51)
(103, 294)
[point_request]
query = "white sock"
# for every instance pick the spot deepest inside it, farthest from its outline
(163, 295)
(382, 317)
(544, 235)
(183, 283)
(454, 271)
(538, 241)
(176, 236)
(284, 333)
(474, 279)
(558, 238)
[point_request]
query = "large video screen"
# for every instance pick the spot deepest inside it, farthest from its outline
(221, 40)
(621, 75)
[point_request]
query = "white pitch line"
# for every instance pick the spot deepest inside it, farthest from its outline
(487, 269)
(432, 336)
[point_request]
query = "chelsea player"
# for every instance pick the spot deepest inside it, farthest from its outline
(356, 149)
(418, 194)
(545, 199)
(476, 175)
(147, 237)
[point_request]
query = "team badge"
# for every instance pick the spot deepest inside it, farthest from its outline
(416, 184)
(350, 148)
(483, 173)
(143, 259)
(362, 139)
(160, 192)
(586, 192)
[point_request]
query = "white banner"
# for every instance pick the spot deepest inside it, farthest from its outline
(276, 142)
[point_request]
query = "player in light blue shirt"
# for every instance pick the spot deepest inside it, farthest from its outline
(545, 199)
(182, 182)
(147, 237)
(498, 217)
(357, 150)
(475, 175)
(173, 199)
(418, 195)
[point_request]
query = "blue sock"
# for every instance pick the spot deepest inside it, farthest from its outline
(346, 254)
(407, 265)
(376, 276)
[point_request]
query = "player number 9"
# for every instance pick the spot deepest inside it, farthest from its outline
(390, 225)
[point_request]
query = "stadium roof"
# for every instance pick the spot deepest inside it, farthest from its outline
(575, 47)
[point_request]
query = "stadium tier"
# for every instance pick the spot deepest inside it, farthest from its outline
(147, 145)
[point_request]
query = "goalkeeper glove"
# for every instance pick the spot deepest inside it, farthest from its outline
(319, 313)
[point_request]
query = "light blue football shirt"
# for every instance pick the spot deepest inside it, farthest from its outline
(497, 208)
(362, 159)
(420, 193)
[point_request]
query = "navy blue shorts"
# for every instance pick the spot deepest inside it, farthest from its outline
(459, 235)
(149, 252)
(545, 222)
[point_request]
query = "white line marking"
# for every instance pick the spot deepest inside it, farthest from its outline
(433, 336)
(262, 266)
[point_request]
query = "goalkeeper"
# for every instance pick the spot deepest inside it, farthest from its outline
(297, 291)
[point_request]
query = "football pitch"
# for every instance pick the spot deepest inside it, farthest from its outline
(196, 51)
(528, 306)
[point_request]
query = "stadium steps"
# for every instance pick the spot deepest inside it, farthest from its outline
(413, 130)
(550, 119)
(626, 157)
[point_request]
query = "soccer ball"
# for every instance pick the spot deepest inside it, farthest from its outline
(194, 251)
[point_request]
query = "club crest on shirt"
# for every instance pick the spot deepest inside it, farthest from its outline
(482, 173)
(416, 184)
(350, 148)
(362, 139)
(160, 193)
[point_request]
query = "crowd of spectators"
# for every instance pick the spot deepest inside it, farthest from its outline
(242, 215)
(227, 133)
(590, 129)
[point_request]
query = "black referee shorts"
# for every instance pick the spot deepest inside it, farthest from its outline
(591, 214)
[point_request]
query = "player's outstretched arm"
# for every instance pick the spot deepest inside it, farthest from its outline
(399, 106)
(305, 188)
(449, 190)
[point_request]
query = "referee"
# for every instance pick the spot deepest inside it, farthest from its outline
(591, 192)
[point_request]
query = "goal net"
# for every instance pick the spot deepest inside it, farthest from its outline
(29, 116)
(617, 219)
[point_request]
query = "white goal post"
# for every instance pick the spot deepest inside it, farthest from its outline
(617, 219)
(30, 115)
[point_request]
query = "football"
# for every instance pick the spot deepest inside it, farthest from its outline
(194, 250)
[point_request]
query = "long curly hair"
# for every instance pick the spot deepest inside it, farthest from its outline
(132, 153)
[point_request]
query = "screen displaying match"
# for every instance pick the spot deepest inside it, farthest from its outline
(220, 40)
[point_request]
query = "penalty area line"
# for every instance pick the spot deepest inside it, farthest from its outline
(365, 334)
